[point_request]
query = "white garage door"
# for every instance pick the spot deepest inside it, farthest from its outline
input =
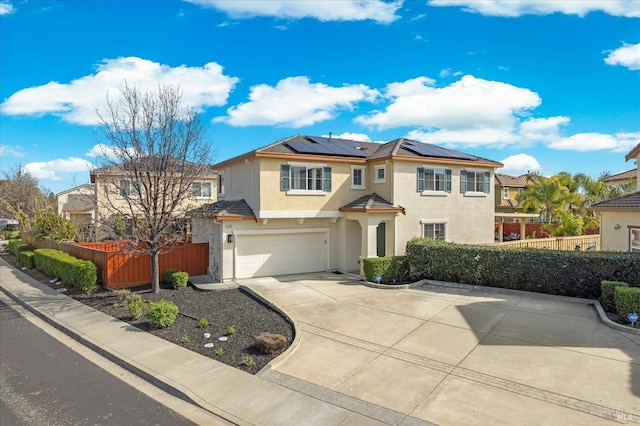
(280, 254)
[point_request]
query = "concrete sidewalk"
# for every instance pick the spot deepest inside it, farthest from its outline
(234, 395)
(433, 354)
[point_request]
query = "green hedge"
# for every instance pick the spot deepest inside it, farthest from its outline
(15, 247)
(177, 278)
(168, 274)
(565, 273)
(392, 269)
(81, 274)
(607, 299)
(627, 300)
(26, 258)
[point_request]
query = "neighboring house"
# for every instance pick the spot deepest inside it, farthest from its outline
(620, 217)
(507, 188)
(621, 178)
(306, 204)
(114, 184)
(78, 205)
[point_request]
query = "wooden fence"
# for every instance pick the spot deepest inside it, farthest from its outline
(581, 242)
(118, 269)
(530, 228)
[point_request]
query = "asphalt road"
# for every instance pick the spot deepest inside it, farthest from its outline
(43, 382)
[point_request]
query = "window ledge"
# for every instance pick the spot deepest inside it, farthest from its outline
(434, 193)
(358, 187)
(303, 192)
(475, 194)
(380, 181)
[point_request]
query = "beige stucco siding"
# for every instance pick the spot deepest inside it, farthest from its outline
(469, 218)
(614, 237)
(242, 181)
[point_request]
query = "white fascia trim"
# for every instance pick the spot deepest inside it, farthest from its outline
(306, 164)
(280, 231)
(296, 214)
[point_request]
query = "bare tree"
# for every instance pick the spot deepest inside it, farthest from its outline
(154, 148)
(22, 198)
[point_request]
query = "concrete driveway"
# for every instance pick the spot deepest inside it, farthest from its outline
(453, 355)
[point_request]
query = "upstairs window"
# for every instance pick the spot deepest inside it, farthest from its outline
(201, 189)
(505, 193)
(128, 188)
(434, 180)
(475, 181)
(357, 177)
(220, 185)
(305, 178)
(381, 174)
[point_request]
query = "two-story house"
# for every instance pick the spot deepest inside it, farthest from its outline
(119, 186)
(306, 204)
(78, 205)
(507, 189)
(620, 217)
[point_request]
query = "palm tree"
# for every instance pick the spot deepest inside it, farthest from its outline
(544, 195)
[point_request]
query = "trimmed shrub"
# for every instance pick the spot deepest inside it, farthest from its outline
(26, 259)
(392, 269)
(180, 280)
(607, 297)
(627, 300)
(269, 343)
(81, 274)
(168, 275)
(15, 247)
(564, 273)
(10, 234)
(162, 313)
(137, 308)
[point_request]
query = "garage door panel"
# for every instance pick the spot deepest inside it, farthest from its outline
(280, 254)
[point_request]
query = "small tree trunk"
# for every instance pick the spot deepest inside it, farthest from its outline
(155, 273)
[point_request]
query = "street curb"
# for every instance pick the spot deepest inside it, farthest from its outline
(140, 371)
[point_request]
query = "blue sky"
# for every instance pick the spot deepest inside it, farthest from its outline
(539, 85)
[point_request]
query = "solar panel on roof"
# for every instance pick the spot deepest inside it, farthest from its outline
(429, 150)
(324, 146)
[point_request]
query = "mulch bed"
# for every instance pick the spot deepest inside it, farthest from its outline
(222, 309)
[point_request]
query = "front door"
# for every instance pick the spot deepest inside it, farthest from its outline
(381, 240)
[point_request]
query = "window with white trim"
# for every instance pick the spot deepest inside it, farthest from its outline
(201, 189)
(434, 231)
(309, 178)
(505, 193)
(220, 184)
(380, 174)
(475, 181)
(433, 180)
(357, 177)
(128, 188)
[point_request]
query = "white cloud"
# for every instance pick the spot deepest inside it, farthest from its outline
(77, 101)
(519, 164)
(627, 56)
(513, 8)
(11, 151)
(469, 111)
(619, 142)
(295, 102)
(6, 8)
(542, 129)
(50, 169)
(345, 10)
(361, 137)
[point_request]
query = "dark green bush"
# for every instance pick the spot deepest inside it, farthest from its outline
(565, 273)
(607, 297)
(627, 301)
(162, 313)
(26, 259)
(168, 275)
(81, 274)
(392, 269)
(15, 247)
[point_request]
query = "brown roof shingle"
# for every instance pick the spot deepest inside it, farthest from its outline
(230, 209)
(371, 203)
(626, 202)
